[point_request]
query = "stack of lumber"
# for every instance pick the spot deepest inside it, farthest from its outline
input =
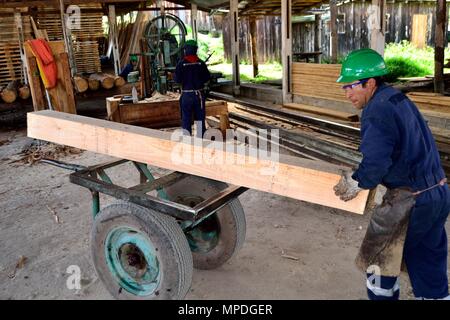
(429, 101)
(10, 60)
(49, 19)
(95, 81)
(317, 80)
(298, 178)
(130, 35)
(87, 57)
(85, 45)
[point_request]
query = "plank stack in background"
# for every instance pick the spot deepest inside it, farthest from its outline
(10, 61)
(86, 39)
(49, 19)
(435, 107)
(317, 80)
(87, 56)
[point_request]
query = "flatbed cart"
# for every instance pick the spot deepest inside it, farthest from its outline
(145, 246)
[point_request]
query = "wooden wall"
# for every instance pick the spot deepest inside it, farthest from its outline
(354, 35)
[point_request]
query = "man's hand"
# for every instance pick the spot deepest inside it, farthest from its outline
(347, 188)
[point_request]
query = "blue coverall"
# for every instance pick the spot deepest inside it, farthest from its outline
(192, 76)
(399, 151)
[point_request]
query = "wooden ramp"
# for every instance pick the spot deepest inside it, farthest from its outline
(297, 178)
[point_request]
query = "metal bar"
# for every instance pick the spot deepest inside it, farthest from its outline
(143, 169)
(161, 205)
(327, 148)
(104, 176)
(106, 165)
(160, 183)
(216, 202)
(294, 116)
(63, 165)
(95, 203)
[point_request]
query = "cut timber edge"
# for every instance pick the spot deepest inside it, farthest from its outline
(297, 178)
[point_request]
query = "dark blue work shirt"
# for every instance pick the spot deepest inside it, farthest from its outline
(192, 75)
(397, 145)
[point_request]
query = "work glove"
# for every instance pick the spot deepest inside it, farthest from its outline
(347, 188)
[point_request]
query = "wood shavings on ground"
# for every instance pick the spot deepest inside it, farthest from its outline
(19, 265)
(37, 150)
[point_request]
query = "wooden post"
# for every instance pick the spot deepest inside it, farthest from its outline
(19, 26)
(317, 36)
(67, 38)
(254, 36)
(235, 45)
(441, 18)
(333, 31)
(286, 49)
(113, 38)
(194, 17)
(377, 25)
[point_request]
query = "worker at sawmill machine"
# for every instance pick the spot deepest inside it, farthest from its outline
(192, 73)
(132, 66)
(399, 152)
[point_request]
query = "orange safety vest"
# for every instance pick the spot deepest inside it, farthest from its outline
(46, 62)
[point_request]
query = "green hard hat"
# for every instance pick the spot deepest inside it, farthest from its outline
(362, 64)
(191, 43)
(133, 57)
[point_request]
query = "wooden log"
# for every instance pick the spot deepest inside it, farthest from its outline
(106, 80)
(24, 92)
(81, 84)
(119, 81)
(9, 93)
(93, 84)
(297, 178)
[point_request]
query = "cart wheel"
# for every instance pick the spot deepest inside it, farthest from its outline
(216, 239)
(139, 253)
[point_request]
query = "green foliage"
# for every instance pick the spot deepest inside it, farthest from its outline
(405, 60)
(267, 72)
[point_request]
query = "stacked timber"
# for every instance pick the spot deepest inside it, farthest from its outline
(87, 57)
(429, 101)
(49, 19)
(317, 80)
(10, 59)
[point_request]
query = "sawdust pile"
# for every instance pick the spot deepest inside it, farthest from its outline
(156, 96)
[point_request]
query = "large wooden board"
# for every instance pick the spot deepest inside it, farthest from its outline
(297, 178)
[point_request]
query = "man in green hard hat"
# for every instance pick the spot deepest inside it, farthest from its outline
(400, 153)
(132, 66)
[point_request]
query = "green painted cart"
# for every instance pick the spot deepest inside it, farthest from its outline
(146, 245)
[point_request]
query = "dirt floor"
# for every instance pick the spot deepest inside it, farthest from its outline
(47, 220)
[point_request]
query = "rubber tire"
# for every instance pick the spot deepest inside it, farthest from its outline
(165, 234)
(231, 219)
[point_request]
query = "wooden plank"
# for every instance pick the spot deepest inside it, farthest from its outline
(34, 81)
(296, 178)
(322, 111)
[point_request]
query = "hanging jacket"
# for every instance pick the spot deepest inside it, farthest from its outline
(45, 61)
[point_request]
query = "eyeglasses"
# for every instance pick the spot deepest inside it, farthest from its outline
(353, 85)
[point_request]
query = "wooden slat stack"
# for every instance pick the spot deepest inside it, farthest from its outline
(317, 80)
(49, 19)
(10, 62)
(85, 46)
(87, 56)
